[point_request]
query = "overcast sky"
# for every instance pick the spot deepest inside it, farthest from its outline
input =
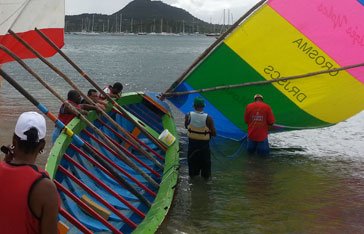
(207, 10)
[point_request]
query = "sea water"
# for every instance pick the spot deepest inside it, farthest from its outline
(313, 182)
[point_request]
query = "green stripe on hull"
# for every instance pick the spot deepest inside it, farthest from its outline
(225, 67)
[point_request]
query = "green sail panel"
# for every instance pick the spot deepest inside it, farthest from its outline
(225, 67)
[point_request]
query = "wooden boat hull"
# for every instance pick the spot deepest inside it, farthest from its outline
(83, 179)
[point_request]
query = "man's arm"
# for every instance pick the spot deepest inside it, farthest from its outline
(43, 202)
(114, 95)
(210, 124)
(246, 115)
(187, 120)
(270, 117)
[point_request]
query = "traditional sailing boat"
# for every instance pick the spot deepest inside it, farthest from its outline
(273, 40)
(114, 172)
(262, 51)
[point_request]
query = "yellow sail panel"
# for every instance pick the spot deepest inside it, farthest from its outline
(276, 49)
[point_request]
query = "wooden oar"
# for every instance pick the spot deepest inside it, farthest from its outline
(115, 104)
(264, 82)
(74, 86)
(100, 182)
(74, 221)
(124, 139)
(87, 208)
(97, 196)
(125, 158)
(103, 145)
(78, 141)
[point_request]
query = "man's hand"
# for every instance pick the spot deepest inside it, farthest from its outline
(161, 96)
(9, 152)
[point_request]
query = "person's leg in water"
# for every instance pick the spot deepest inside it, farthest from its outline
(192, 159)
(251, 146)
(206, 163)
(263, 148)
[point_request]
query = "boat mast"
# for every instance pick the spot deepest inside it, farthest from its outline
(121, 21)
(116, 23)
(131, 25)
(161, 25)
(183, 27)
(93, 22)
(154, 25)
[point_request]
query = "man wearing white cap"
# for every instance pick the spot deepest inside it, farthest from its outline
(259, 117)
(29, 199)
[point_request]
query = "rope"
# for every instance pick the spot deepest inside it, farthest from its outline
(229, 156)
(307, 75)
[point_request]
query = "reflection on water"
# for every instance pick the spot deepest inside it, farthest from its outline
(313, 182)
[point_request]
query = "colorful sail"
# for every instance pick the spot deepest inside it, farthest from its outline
(282, 38)
(22, 16)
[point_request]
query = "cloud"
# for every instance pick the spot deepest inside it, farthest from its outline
(212, 10)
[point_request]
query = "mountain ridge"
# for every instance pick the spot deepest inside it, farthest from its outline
(140, 16)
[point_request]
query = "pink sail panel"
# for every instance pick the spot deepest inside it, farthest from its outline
(22, 17)
(336, 26)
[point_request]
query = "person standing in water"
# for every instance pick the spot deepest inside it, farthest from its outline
(29, 199)
(259, 118)
(200, 129)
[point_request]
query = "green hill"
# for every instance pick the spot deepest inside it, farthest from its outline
(140, 16)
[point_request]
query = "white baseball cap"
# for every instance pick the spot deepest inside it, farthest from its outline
(258, 96)
(28, 120)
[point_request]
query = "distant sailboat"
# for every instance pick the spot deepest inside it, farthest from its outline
(183, 28)
(141, 32)
(92, 26)
(153, 29)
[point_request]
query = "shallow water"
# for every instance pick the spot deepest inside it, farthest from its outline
(313, 182)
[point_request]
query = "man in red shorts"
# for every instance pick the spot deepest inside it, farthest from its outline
(259, 117)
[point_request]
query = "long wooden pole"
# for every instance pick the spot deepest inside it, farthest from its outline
(114, 103)
(78, 141)
(122, 155)
(208, 50)
(74, 86)
(307, 75)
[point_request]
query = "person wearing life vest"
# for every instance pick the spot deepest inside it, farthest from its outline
(29, 199)
(200, 129)
(113, 91)
(259, 118)
(66, 114)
